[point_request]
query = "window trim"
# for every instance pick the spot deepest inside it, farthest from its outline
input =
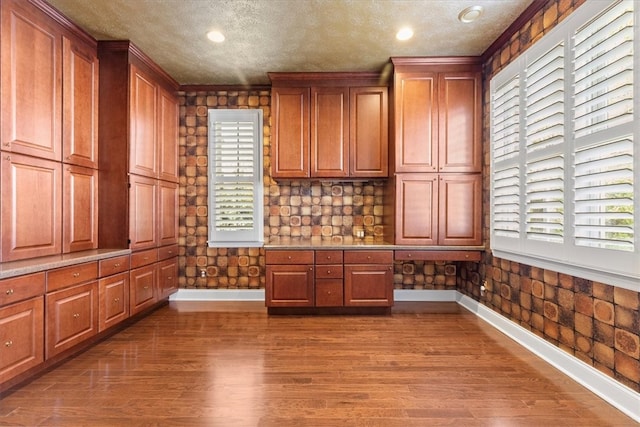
(617, 268)
(237, 239)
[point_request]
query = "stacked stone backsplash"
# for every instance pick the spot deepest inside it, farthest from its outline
(297, 208)
(596, 323)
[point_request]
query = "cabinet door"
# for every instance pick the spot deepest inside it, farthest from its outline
(368, 285)
(142, 212)
(167, 136)
(460, 116)
(460, 209)
(30, 81)
(142, 124)
(416, 209)
(167, 213)
(72, 317)
(113, 296)
(22, 337)
(80, 104)
(290, 144)
(142, 286)
(329, 132)
(416, 122)
(368, 132)
(167, 277)
(31, 212)
(289, 286)
(80, 209)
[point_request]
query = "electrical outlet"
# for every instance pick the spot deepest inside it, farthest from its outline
(203, 273)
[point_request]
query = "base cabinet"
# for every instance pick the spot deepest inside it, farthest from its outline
(143, 284)
(21, 337)
(329, 278)
(114, 300)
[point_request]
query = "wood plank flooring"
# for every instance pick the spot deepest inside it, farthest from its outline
(230, 364)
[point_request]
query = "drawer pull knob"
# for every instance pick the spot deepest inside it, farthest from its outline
(328, 271)
(9, 291)
(169, 278)
(8, 343)
(170, 252)
(116, 265)
(76, 275)
(76, 315)
(289, 257)
(409, 256)
(146, 287)
(116, 300)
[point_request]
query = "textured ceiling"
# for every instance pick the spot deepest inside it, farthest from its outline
(288, 35)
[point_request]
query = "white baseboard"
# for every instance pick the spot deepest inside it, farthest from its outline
(623, 398)
(618, 395)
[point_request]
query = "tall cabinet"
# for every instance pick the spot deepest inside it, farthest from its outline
(437, 152)
(139, 168)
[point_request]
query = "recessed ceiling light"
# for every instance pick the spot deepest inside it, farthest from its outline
(470, 14)
(215, 36)
(404, 34)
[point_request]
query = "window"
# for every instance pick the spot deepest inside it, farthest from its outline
(565, 192)
(235, 178)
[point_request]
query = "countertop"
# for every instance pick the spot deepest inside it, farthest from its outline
(347, 242)
(34, 265)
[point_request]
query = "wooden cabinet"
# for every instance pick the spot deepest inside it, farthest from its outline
(167, 213)
(167, 135)
(438, 209)
(143, 212)
(79, 208)
(289, 279)
(30, 81)
(72, 317)
(167, 277)
(31, 209)
(143, 284)
(349, 278)
(21, 337)
(368, 278)
(142, 123)
(437, 150)
(329, 126)
(113, 297)
(80, 103)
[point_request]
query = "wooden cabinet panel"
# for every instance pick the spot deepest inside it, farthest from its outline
(416, 127)
(22, 337)
(417, 209)
(72, 317)
(31, 212)
(142, 286)
(167, 277)
(80, 209)
(368, 132)
(289, 257)
(329, 257)
(115, 265)
(368, 257)
(167, 213)
(142, 212)
(80, 104)
(290, 143)
(460, 209)
(167, 136)
(460, 122)
(329, 132)
(30, 81)
(21, 288)
(167, 252)
(113, 297)
(437, 255)
(72, 275)
(290, 286)
(139, 259)
(329, 293)
(142, 124)
(368, 285)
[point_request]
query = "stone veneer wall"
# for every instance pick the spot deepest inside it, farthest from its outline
(597, 323)
(297, 208)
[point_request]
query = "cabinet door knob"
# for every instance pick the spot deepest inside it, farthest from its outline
(76, 315)
(9, 292)
(76, 275)
(116, 265)
(8, 343)
(328, 271)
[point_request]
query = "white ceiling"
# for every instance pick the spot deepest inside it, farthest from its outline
(288, 35)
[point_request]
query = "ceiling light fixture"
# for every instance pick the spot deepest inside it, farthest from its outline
(404, 34)
(470, 14)
(215, 36)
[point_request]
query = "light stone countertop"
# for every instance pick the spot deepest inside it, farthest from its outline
(349, 242)
(34, 265)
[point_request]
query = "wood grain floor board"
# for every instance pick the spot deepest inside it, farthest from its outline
(232, 365)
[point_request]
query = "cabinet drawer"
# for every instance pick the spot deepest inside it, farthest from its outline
(368, 257)
(289, 257)
(22, 337)
(138, 259)
(329, 271)
(438, 255)
(72, 275)
(20, 288)
(328, 257)
(329, 293)
(167, 252)
(114, 265)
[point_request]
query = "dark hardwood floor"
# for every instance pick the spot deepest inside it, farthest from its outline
(229, 364)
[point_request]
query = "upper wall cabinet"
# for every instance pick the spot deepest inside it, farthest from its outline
(329, 125)
(438, 116)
